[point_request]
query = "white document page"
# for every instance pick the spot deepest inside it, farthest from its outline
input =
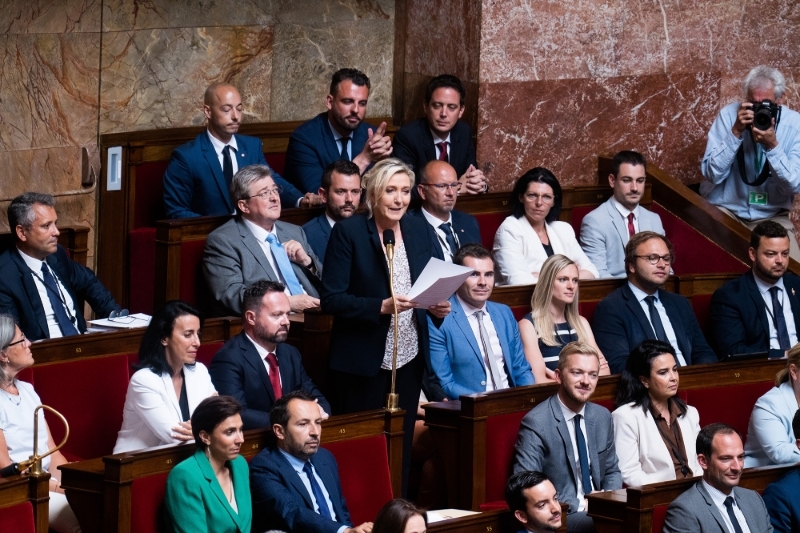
(438, 282)
(136, 320)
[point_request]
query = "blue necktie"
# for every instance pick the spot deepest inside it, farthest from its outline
(583, 458)
(317, 490)
(448, 235)
(655, 319)
(780, 320)
(284, 265)
(54, 294)
(344, 156)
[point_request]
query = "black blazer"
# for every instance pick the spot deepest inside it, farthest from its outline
(413, 144)
(738, 320)
(357, 283)
(620, 325)
(237, 370)
(318, 231)
(465, 227)
(19, 297)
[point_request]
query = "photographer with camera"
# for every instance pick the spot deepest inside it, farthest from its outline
(752, 159)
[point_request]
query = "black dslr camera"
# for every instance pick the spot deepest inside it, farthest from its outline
(764, 112)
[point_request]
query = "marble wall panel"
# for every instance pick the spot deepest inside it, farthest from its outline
(155, 78)
(305, 58)
(49, 16)
(48, 90)
(564, 124)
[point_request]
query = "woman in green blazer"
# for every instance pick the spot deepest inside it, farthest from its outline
(210, 491)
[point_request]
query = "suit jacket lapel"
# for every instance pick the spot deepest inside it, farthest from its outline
(758, 301)
(377, 246)
(255, 248)
(430, 148)
(619, 222)
(463, 323)
(713, 507)
(216, 169)
(330, 142)
(499, 326)
(26, 280)
(250, 354)
(561, 425)
(636, 308)
(166, 379)
(328, 480)
(216, 488)
(677, 327)
(416, 251)
(592, 441)
(294, 478)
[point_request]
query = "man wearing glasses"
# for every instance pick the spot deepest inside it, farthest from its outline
(641, 309)
(438, 187)
(255, 245)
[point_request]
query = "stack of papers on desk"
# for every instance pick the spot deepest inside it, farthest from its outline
(136, 320)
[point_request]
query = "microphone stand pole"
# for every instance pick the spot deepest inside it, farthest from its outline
(393, 399)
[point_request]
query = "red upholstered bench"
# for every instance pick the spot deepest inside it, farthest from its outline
(577, 217)
(17, 518)
(488, 223)
(701, 305)
(731, 404)
(499, 456)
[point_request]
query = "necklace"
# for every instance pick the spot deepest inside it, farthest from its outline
(16, 399)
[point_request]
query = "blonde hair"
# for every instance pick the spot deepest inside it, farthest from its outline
(576, 347)
(542, 296)
(792, 358)
(374, 182)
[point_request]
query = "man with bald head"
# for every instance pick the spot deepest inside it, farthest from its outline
(438, 188)
(199, 174)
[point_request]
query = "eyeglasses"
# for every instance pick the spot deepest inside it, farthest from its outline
(654, 258)
(455, 187)
(23, 339)
(275, 191)
(545, 198)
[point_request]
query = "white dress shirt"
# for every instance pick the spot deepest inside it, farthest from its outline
(261, 236)
(569, 414)
(338, 138)
(330, 220)
(437, 140)
(494, 340)
(219, 146)
(671, 338)
(440, 234)
(263, 353)
(69, 306)
(719, 500)
(624, 211)
(764, 288)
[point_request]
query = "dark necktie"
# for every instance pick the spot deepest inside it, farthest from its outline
(583, 456)
(442, 146)
(735, 523)
(655, 319)
(631, 229)
(227, 165)
(344, 156)
(780, 320)
(490, 358)
(449, 237)
(274, 375)
(317, 490)
(58, 305)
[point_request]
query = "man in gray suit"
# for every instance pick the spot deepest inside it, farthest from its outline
(255, 245)
(569, 439)
(716, 503)
(605, 231)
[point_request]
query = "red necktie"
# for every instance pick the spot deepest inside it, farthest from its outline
(442, 146)
(631, 229)
(274, 375)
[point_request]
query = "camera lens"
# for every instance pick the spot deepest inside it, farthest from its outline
(762, 119)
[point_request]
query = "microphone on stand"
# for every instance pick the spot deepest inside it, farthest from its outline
(393, 399)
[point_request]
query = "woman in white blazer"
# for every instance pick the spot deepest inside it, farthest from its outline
(169, 384)
(533, 232)
(648, 388)
(770, 438)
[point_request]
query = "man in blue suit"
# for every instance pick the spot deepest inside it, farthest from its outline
(641, 309)
(438, 187)
(341, 192)
(339, 133)
(780, 497)
(534, 501)
(256, 366)
(197, 180)
(760, 310)
(295, 484)
(477, 348)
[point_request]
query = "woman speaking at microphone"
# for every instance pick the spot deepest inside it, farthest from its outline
(356, 291)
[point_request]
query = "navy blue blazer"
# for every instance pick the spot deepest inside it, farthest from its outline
(20, 298)
(456, 358)
(738, 320)
(237, 370)
(465, 227)
(281, 500)
(413, 144)
(312, 148)
(782, 503)
(194, 185)
(357, 283)
(318, 231)
(620, 325)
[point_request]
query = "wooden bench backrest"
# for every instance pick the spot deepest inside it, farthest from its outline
(24, 504)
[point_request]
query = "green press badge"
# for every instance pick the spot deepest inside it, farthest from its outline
(758, 198)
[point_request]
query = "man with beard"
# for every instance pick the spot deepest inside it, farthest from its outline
(256, 366)
(569, 439)
(339, 133)
(295, 484)
(641, 309)
(606, 230)
(758, 311)
(534, 501)
(341, 192)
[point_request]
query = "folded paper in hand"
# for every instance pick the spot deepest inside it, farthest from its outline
(438, 282)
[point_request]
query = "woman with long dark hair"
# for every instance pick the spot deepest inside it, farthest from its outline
(400, 516)
(169, 384)
(654, 430)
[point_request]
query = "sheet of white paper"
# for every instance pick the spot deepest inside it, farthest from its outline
(136, 320)
(447, 514)
(438, 282)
